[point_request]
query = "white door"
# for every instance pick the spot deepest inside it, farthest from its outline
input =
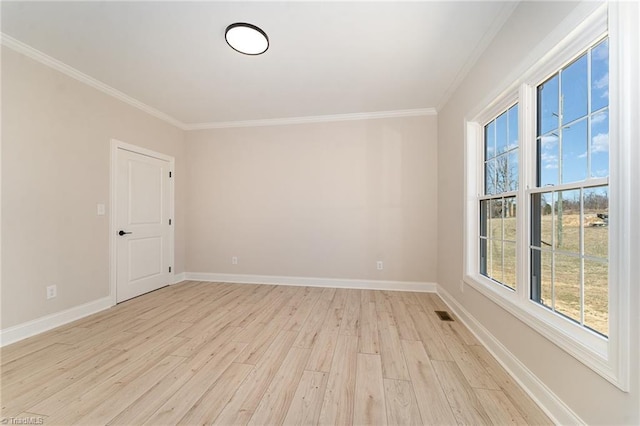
(142, 218)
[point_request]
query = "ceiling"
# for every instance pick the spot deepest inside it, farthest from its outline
(325, 58)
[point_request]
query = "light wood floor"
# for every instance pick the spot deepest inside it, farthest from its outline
(201, 353)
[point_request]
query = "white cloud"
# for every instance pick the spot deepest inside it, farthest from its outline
(583, 155)
(600, 173)
(600, 143)
(602, 82)
(549, 161)
(549, 141)
(599, 118)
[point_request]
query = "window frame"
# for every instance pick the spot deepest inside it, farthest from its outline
(608, 356)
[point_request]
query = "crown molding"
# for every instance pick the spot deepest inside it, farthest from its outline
(314, 119)
(68, 70)
(47, 60)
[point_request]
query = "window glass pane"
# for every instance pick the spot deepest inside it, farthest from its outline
(596, 222)
(484, 207)
(600, 76)
(574, 152)
(546, 210)
(546, 283)
(512, 169)
(509, 220)
(548, 161)
(490, 140)
(488, 252)
(495, 219)
(566, 285)
(509, 264)
(490, 177)
(596, 298)
(501, 133)
(496, 260)
(567, 221)
(483, 256)
(502, 173)
(600, 144)
(513, 127)
(548, 106)
(574, 90)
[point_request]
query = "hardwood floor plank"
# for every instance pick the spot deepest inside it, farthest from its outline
(275, 403)
(307, 401)
(337, 407)
(246, 399)
(350, 324)
(369, 403)
(314, 323)
(18, 397)
(428, 331)
(322, 352)
(368, 338)
(402, 407)
(207, 408)
(256, 349)
(25, 366)
(393, 363)
(499, 408)
(304, 307)
(128, 392)
(463, 401)
(404, 323)
(518, 397)
(181, 402)
(68, 406)
(432, 402)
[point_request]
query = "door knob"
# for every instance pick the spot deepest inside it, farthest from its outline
(121, 233)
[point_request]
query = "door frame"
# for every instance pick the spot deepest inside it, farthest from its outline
(115, 146)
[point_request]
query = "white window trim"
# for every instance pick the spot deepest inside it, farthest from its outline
(609, 357)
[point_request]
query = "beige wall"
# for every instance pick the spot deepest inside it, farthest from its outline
(56, 136)
(594, 399)
(315, 200)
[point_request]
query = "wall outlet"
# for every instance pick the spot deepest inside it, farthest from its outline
(52, 291)
(379, 265)
(234, 260)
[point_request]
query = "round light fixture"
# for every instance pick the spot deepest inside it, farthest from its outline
(246, 38)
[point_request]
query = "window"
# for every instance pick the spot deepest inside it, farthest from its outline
(498, 203)
(548, 180)
(570, 205)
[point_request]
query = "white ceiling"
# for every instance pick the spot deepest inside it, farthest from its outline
(325, 58)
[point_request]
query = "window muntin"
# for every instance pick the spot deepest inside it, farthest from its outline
(498, 203)
(501, 153)
(569, 225)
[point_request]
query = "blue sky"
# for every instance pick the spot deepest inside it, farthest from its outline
(572, 86)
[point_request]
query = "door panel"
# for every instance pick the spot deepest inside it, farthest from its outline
(142, 211)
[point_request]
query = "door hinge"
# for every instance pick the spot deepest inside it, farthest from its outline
(169, 221)
(169, 268)
(170, 174)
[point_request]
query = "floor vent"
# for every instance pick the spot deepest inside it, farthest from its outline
(444, 316)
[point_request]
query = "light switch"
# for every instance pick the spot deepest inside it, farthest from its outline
(101, 209)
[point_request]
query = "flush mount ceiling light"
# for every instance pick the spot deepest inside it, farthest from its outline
(246, 38)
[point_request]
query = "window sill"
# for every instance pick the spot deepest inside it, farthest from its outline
(590, 348)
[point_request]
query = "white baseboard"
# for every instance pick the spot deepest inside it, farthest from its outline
(40, 325)
(553, 406)
(178, 278)
(314, 282)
